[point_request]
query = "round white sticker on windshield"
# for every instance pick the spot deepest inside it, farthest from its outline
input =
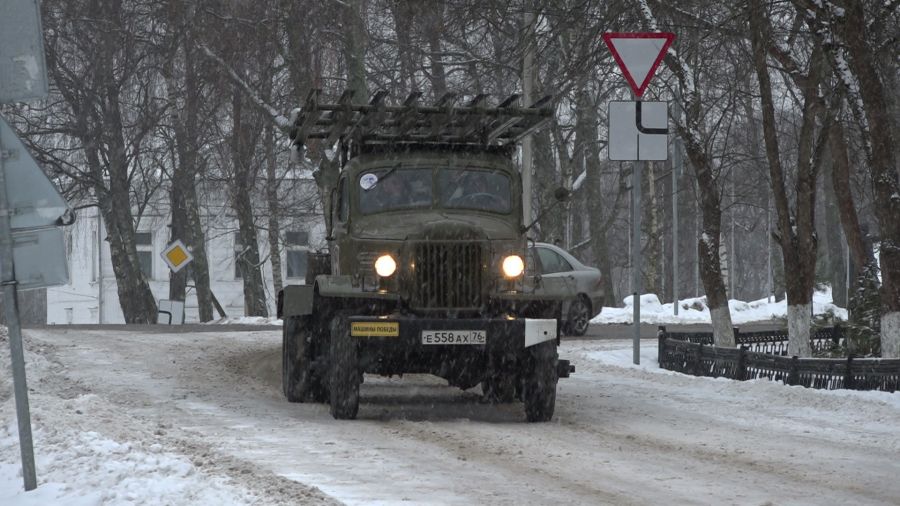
(367, 181)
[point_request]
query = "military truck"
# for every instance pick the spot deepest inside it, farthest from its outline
(428, 269)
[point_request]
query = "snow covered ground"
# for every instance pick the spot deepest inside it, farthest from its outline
(694, 310)
(131, 417)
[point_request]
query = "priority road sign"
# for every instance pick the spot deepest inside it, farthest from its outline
(638, 130)
(638, 55)
(177, 256)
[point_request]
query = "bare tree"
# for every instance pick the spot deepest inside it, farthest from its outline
(850, 30)
(796, 232)
(710, 207)
(99, 61)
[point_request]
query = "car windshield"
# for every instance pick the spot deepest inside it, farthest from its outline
(483, 190)
(390, 189)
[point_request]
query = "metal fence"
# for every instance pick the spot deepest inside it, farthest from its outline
(763, 355)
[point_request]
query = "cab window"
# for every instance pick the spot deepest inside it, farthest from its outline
(392, 189)
(481, 190)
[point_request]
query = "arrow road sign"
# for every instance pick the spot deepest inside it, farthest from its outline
(638, 55)
(638, 130)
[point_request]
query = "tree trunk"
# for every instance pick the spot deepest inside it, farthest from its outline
(796, 233)
(434, 26)
(247, 259)
(274, 210)
(834, 246)
(135, 298)
(185, 213)
(355, 50)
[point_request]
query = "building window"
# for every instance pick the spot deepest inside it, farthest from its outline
(297, 247)
(144, 241)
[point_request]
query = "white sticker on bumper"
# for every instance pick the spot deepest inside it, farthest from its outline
(538, 331)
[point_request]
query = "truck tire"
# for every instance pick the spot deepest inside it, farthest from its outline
(541, 377)
(498, 388)
(344, 371)
(294, 370)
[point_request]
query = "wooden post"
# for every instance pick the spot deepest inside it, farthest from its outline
(794, 373)
(848, 375)
(661, 346)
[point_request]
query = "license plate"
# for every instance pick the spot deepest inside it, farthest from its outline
(454, 337)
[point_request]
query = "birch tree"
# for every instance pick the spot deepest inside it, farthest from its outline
(796, 232)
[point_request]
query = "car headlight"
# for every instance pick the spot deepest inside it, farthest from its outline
(385, 265)
(513, 266)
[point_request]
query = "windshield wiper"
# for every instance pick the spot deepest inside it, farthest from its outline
(383, 177)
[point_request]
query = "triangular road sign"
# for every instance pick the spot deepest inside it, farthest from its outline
(32, 198)
(638, 55)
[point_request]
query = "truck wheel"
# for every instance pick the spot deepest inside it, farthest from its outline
(296, 361)
(344, 370)
(541, 377)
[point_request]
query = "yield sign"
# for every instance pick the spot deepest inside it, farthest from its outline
(638, 55)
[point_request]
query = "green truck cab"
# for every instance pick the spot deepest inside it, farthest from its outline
(429, 268)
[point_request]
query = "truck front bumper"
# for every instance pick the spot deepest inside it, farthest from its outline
(442, 333)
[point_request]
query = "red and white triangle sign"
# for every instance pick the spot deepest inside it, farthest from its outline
(638, 55)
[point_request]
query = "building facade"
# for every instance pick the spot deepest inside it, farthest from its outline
(91, 295)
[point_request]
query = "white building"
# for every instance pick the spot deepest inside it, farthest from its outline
(91, 295)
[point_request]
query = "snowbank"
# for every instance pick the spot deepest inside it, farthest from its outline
(247, 320)
(85, 468)
(694, 310)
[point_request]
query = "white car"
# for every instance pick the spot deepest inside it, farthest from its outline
(587, 293)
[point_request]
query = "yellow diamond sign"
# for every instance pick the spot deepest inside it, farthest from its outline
(176, 256)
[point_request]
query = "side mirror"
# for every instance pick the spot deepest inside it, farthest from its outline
(561, 194)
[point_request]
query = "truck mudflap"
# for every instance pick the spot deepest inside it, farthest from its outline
(424, 332)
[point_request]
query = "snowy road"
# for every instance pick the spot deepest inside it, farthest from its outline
(621, 434)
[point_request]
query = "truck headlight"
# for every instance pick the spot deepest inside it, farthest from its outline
(513, 266)
(385, 265)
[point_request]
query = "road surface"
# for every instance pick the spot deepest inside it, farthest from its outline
(621, 435)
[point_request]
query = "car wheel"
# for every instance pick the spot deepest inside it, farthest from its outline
(344, 370)
(541, 377)
(579, 317)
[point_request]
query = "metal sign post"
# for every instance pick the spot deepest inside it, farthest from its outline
(29, 203)
(10, 296)
(638, 131)
(636, 281)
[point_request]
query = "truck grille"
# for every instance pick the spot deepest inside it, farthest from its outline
(448, 275)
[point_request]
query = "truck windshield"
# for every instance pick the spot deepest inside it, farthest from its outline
(389, 189)
(394, 188)
(482, 190)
